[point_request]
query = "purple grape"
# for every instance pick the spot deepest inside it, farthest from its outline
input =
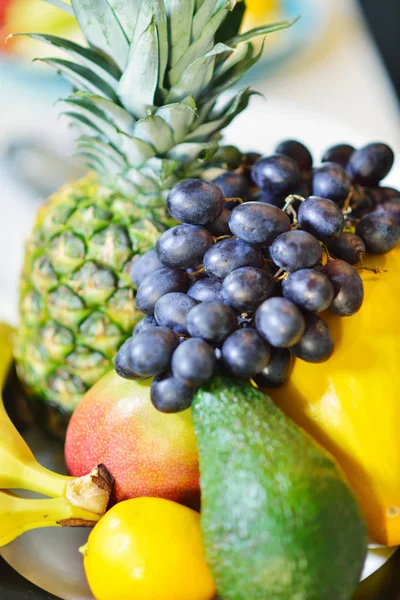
(206, 290)
(277, 201)
(230, 254)
(316, 344)
(370, 164)
(391, 208)
(171, 395)
(232, 203)
(309, 289)
(258, 223)
(331, 181)
(147, 354)
(144, 265)
(233, 185)
(143, 324)
(363, 201)
(296, 250)
(157, 284)
(339, 154)
(220, 225)
(348, 247)
(280, 322)
(379, 231)
(172, 309)
(194, 362)
(249, 160)
(385, 194)
(245, 353)
(347, 286)
(184, 246)
(277, 174)
(195, 202)
(211, 321)
(277, 371)
(298, 152)
(321, 217)
(246, 288)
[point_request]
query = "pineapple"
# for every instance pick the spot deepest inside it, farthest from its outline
(149, 101)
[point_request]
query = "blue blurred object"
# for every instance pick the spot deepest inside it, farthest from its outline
(15, 73)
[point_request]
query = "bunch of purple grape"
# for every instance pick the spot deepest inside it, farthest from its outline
(239, 284)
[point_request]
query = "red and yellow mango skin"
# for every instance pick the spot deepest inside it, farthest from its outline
(351, 403)
(148, 453)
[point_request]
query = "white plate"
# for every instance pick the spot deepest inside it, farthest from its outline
(50, 559)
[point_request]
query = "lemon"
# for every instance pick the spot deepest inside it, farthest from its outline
(148, 549)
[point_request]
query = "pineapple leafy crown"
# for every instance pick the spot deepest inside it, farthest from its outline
(150, 85)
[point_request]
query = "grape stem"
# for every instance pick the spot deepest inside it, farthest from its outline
(376, 270)
(290, 199)
(197, 272)
(288, 208)
(347, 209)
(362, 267)
(281, 274)
(327, 253)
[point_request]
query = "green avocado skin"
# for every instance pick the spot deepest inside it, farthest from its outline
(278, 519)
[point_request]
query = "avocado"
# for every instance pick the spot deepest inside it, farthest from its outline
(278, 518)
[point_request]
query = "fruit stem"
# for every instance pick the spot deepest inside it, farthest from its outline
(376, 270)
(281, 274)
(91, 492)
(84, 549)
(19, 515)
(290, 199)
(197, 272)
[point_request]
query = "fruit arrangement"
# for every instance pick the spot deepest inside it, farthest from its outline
(206, 278)
(240, 287)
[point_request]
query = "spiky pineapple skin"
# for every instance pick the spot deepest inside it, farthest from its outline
(76, 296)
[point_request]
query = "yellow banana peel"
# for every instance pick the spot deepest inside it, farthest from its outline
(350, 404)
(18, 515)
(76, 502)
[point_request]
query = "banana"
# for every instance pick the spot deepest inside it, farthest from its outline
(18, 515)
(76, 501)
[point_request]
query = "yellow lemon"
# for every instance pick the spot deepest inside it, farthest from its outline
(350, 404)
(148, 549)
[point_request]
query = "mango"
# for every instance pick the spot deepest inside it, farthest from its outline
(149, 453)
(350, 404)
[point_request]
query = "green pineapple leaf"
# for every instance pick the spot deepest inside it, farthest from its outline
(263, 30)
(179, 19)
(202, 44)
(179, 116)
(198, 75)
(232, 24)
(203, 16)
(102, 29)
(155, 131)
(115, 114)
(92, 60)
(127, 12)
(137, 151)
(81, 77)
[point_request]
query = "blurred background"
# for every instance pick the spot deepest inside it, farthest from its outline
(333, 77)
